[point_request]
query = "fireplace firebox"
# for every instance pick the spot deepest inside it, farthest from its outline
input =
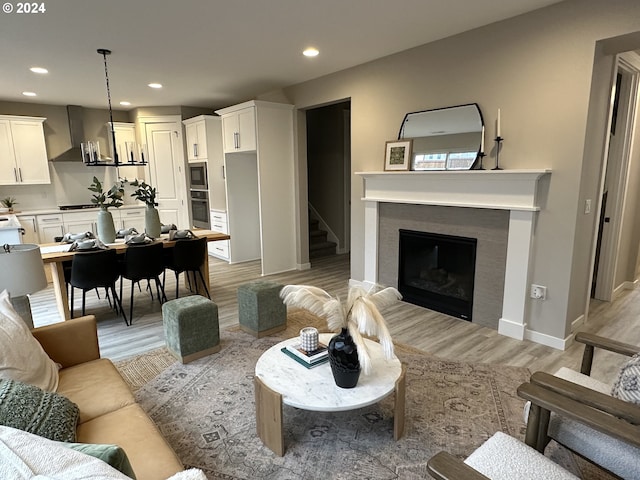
(437, 272)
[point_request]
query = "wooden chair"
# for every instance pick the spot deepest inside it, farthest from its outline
(584, 429)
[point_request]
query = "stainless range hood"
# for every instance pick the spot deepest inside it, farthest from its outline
(75, 115)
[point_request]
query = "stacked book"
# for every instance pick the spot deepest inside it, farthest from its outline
(305, 358)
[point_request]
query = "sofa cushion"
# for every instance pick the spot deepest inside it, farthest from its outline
(29, 408)
(96, 387)
(21, 356)
(627, 384)
(130, 427)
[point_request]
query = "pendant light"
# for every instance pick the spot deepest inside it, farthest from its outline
(135, 154)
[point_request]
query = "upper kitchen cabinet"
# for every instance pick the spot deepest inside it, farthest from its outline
(204, 144)
(239, 128)
(23, 154)
(196, 134)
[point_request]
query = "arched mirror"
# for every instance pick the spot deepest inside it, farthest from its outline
(444, 138)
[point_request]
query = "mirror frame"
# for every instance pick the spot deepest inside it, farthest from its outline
(477, 157)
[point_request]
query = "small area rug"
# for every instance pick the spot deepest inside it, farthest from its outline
(206, 411)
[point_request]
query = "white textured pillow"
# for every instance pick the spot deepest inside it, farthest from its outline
(627, 385)
(22, 358)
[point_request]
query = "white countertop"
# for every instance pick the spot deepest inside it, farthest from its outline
(53, 210)
(11, 221)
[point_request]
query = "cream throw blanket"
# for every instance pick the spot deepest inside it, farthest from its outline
(27, 456)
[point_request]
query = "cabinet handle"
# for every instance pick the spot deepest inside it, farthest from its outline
(33, 224)
(20, 172)
(195, 149)
(50, 220)
(15, 174)
(236, 140)
(223, 177)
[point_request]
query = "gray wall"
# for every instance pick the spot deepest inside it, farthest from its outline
(538, 68)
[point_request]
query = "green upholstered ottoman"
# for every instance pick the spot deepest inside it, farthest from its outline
(191, 329)
(260, 309)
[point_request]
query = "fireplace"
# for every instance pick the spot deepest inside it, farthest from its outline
(475, 197)
(437, 271)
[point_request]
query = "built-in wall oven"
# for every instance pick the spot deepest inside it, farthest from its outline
(200, 209)
(198, 176)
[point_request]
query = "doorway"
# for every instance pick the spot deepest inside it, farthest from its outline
(613, 228)
(329, 178)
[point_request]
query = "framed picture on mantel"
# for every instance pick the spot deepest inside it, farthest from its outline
(398, 155)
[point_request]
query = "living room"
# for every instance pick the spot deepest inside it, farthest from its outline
(549, 72)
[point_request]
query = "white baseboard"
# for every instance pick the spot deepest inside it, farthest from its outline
(577, 323)
(548, 340)
(303, 266)
(511, 329)
(362, 283)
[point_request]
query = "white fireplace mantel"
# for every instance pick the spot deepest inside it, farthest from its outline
(513, 190)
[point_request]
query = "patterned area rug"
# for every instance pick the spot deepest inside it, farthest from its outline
(205, 409)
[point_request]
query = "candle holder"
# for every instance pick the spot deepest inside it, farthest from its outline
(481, 155)
(498, 141)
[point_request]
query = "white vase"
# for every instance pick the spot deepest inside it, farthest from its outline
(152, 222)
(106, 228)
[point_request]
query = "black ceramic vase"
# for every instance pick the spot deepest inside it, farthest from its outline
(343, 358)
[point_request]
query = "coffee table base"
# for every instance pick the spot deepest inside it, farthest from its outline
(269, 413)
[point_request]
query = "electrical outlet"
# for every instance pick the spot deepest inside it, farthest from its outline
(538, 292)
(587, 206)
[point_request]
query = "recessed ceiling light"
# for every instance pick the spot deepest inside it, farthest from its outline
(155, 85)
(125, 104)
(39, 70)
(29, 94)
(311, 52)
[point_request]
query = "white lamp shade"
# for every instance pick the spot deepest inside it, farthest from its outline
(22, 270)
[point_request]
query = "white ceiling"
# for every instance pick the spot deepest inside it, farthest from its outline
(214, 53)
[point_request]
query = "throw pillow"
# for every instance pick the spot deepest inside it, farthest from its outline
(24, 455)
(29, 408)
(22, 357)
(110, 454)
(627, 385)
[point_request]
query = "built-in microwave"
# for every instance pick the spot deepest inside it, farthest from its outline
(198, 176)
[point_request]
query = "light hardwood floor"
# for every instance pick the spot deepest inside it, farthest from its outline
(432, 332)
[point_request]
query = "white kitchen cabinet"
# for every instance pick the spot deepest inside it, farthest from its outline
(28, 223)
(196, 134)
(239, 128)
(260, 185)
(209, 150)
(49, 227)
(131, 218)
(219, 249)
(79, 222)
(23, 153)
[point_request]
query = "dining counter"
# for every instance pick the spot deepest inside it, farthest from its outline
(55, 254)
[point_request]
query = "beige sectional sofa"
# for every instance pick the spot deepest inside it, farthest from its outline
(108, 410)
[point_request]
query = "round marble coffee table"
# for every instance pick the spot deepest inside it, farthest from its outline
(281, 380)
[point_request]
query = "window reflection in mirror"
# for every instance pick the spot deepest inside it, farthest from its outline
(444, 138)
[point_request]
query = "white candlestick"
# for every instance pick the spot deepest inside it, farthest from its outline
(482, 141)
(498, 125)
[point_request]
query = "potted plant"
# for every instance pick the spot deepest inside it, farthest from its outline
(147, 194)
(359, 315)
(9, 202)
(104, 200)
